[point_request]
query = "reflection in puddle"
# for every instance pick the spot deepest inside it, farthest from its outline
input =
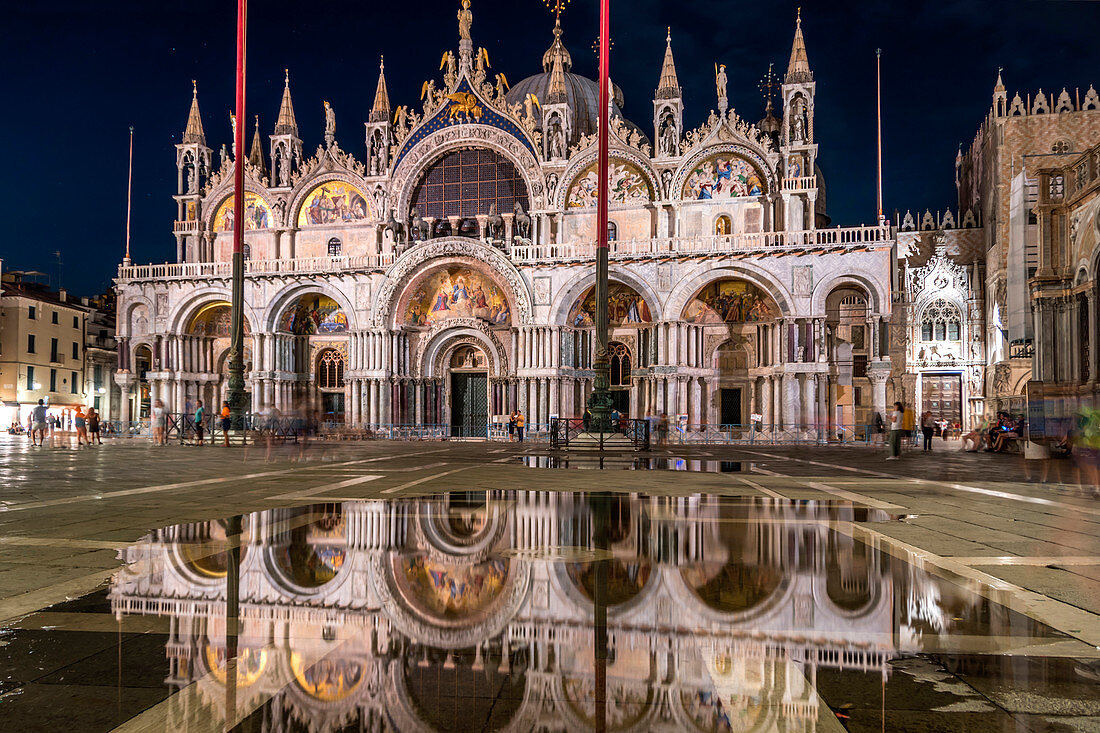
(549, 611)
(634, 463)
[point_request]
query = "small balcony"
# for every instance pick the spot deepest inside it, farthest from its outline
(186, 227)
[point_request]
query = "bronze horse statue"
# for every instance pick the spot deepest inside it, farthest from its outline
(418, 227)
(522, 221)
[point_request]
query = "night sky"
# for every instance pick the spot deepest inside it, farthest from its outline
(77, 75)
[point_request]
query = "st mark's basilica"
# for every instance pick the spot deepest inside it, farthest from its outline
(443, 273)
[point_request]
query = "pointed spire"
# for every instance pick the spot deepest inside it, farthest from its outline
(1000, 84)
(256, 155)
(286, 125)
(193, 133)
(380, 112)
(669, 86)
(798, 70)
(557, 93)
(557, 50)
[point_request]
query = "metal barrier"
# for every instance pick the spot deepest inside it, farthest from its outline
(761, 434)
(564, 430)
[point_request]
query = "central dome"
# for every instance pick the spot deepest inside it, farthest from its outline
(582, 95)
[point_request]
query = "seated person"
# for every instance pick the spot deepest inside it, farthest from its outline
(1009, 430)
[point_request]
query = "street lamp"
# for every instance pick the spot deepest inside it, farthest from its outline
(600, 402)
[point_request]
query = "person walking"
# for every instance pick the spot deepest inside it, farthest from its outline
(93, 427)
(927, 428)
(226, 422)
(200, 416)
(81, 426)
(160, 420)
(897, 422)
(38, 423)
(519, 427)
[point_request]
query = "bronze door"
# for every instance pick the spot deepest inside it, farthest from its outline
(943, 396)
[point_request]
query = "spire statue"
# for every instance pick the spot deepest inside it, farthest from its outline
(465, 21)
(720, 84)
(330, 125)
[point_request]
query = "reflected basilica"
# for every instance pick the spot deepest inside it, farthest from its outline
(537, 611)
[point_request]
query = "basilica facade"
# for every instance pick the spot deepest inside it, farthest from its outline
(444, 275)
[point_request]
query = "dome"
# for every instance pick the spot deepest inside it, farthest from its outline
(582, 95)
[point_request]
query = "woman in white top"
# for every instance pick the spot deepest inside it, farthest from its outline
(897, 418)
(160, 419)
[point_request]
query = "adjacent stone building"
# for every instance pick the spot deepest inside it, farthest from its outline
(997, 296)
(444, 275)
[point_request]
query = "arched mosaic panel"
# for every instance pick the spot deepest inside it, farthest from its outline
(626, 185)
(723, 176)
(729, 301)
(313, 314)
(256, 214)
(457, 292)
(624, 305)
(335, 202)
(214, 320)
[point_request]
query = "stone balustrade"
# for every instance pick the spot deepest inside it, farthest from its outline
(657, 247)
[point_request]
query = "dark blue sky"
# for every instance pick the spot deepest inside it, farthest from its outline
(79, 74)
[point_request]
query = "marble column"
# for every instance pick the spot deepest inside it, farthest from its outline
(1094, 346)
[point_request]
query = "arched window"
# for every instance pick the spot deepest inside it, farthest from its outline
(620, 364)
(466, 183)
(334, 247)
(612, 231)
(723, 226)
(247, 252)
(941, 321)
(330, 370)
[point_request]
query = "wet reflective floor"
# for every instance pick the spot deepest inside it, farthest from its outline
(525, 611)
(598, 461)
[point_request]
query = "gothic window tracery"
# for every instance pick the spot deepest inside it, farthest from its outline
(335, 246)
(941, 321)
(330, 370)
(619, 357)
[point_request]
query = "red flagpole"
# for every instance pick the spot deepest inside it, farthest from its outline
(235, 393)
(129, 195)
(605, 63)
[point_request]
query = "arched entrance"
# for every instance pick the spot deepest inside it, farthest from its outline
(732, 362)
(143, 364)
(330, 383)
(468, 387)
(311, 333)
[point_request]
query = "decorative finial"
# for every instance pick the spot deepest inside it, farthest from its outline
(769, 84)
(257, 122)
(668, 35)
(286, 78)
(798, 17)
(194, 88)
(556, 6)
(382, 63)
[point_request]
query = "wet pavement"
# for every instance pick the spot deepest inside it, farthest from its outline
(480, 586)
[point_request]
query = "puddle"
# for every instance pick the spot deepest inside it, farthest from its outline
(534, 611)
(634, 463)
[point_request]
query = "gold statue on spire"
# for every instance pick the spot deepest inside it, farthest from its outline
(465, 21)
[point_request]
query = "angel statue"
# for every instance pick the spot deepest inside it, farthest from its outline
(482, 62)
(530, 104)
(465, 21)
(400, 116)
(427, 94)
(502, 85)
(233, 125)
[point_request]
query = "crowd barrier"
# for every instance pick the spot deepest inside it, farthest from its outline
(182, 428)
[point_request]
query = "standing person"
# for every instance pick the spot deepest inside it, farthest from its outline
(512, 426)
(93, 427)
(662, 429)
(878, 427)
(160, 416)
(897, 423)
(927, 428)
(38, 423)
(81, 426)
(226, 422)
(519, 426)
(200, 415)
(909, 424)
(615, 417)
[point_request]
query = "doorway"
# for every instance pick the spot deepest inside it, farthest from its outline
(729, 406)
(469, 405)
(332, 407)
(942, 396)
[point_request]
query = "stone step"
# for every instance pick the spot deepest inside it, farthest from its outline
(591, 441)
